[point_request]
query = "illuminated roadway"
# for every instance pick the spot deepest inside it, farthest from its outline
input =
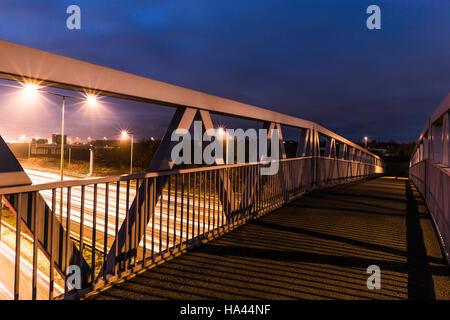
(7, 254)
(39, 177)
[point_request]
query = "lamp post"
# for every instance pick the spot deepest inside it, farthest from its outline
(61, 170)
(124, 136)
(365, 141)
(32, 89)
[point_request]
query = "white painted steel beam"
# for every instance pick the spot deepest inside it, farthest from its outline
(20, 63)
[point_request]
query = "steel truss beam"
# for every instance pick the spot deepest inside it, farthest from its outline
(182, 120)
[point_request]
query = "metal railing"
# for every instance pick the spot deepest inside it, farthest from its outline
(177, 210)
(430, 170)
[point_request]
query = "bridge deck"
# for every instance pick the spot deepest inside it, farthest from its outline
(318, 247)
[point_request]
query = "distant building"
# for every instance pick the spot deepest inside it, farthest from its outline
(39, 141)
(56, 139)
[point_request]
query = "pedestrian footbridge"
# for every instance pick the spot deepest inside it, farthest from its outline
(311, 229)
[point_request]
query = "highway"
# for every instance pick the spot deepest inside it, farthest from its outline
(161, 217)
(7, 263)
(160, 223)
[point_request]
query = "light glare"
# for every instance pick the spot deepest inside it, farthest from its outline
(30, 89)
(124, 135)
(91, 100)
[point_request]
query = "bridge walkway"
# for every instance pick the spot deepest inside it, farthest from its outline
(317, 247)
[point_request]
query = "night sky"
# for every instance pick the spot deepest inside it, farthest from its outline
(312, 59)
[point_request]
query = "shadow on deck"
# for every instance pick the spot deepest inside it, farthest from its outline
(317, 247)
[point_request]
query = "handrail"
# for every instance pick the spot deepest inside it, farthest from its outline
(180, 209)
(127, 177)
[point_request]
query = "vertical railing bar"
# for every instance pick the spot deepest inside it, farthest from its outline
(105, 240)
(168, 213)
(203, 185)
(52, 230)
(18, 236)
(235, 187)
(227, 205)
(214, 200)
(160, 218)
(244, 191)
(246, 182)
(182, 209)
(175, 212)
(241, 192)
(193, 205)
(241, 184)
(261, 189)
(94, 233)
(80, 254)
(204, 201)
(144, 223)
(254, 201)
(188, 206)
(127, 225)
(116, 253)
(35, 245)
(199, 199)
(68, 205)
(209, 200)
(153, 215)
(137, 221)
(256, 193)
(270, 193)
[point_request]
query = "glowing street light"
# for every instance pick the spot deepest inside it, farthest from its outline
(32, 90)
(91, 100)
(124, 135)
(365, 140)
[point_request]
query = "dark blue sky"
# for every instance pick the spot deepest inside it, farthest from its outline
(313, 59)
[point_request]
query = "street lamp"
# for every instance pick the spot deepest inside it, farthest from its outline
(365, 141)
(124, 135)
(33, 90)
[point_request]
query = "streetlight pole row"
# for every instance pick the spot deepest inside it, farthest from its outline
(31, 89)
